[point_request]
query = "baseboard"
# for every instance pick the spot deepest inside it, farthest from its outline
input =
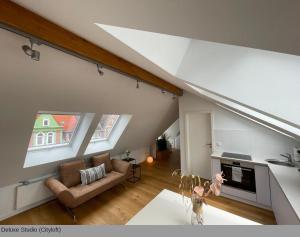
(16, 212)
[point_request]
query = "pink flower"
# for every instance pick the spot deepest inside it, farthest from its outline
(219, 178)
(199, 190)
(215, 188)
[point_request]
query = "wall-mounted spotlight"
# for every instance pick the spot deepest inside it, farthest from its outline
(28, 50)
(137, 84)
(163, 91)
(99, 69)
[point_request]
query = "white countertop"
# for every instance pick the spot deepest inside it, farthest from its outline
(288, 179)
(169, 208)
(254, 160)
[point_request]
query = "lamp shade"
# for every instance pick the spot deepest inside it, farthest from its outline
(149, 159)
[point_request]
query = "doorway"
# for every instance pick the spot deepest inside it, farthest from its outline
(198, 127)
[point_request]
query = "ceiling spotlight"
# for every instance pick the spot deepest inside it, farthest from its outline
(137, 84)
(28, 50)
(99, 69)
(163, 91)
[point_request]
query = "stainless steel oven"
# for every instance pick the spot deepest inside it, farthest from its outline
(239, 175)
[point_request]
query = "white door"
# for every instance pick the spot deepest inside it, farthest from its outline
(198, 143)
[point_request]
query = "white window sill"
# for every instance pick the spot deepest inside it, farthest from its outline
(47, 147)
(44, 156)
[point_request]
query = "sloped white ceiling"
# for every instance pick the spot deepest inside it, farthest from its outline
(166, 51)
(60, 82)
(264, 24)
(264, 80)
(250, 114)
(269, 24)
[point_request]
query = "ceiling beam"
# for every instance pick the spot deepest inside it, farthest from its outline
(14, 16)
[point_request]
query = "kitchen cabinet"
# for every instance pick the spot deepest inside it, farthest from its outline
(263, 194)
(282, 209)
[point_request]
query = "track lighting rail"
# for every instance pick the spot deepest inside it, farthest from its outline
(24, 22)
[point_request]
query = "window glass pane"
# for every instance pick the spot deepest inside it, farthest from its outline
(105, 126)
(52, 130)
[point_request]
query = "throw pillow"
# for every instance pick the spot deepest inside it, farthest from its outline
(92, 174)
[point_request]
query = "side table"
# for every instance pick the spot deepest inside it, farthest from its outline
(135, 168)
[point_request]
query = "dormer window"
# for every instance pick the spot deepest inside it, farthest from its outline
(45, 122)
(107, 133)
(53, 130)
(105, 127)
(56, 136)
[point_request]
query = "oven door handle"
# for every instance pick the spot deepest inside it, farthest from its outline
(230, 166)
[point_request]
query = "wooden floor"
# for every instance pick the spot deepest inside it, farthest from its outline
(118, 205)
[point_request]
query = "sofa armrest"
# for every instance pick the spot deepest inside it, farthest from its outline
(120, 166)
(63, 193)
(55, 186)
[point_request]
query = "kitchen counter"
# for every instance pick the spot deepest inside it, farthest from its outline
(288, 179)
(254, 160)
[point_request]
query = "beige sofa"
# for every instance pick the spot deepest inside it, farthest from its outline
(69, 190)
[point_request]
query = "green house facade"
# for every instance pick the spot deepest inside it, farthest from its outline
(46, 131)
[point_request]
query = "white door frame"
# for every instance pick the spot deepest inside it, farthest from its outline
(186, 143)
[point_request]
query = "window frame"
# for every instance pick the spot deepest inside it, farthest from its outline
(40, 157)
(37, 138)
(53, 138)
(113, 127)
(51, 146)
(44, 120)
(109, 144)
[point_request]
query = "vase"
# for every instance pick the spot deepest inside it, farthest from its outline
(197, 211)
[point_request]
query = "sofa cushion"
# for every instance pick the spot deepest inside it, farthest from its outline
(69, 172)
(82, 193)
(92, 174)
(103, 158)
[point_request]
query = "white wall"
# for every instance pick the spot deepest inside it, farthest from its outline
(265, 80)
(61, 82)
(234, 133)
(139, 154)
(172, 133)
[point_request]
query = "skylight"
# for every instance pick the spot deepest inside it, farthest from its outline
(166, 51)
(53, 130)
(108, 132)
(56, 136)
(105, 126)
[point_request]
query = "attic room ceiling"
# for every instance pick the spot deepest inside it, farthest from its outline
(270, 24)
(234, 22)
(166, 51)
